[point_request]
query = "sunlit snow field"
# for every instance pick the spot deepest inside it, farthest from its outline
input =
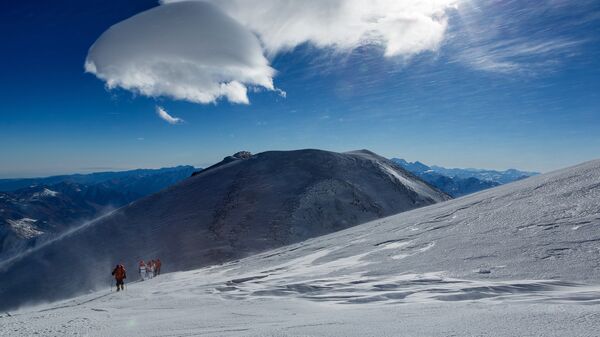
(208, 302)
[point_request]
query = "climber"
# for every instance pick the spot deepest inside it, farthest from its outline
(142, 268)
(150, 269)
(120, 275)
(157, 267)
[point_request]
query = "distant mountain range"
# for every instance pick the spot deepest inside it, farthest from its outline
(458, 182)
(35, 209)
(140, 181)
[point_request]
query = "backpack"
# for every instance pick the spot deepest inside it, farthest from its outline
(119, 272)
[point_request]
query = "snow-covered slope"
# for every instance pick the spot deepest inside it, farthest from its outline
(516, 260)
(242, 206)
(542, 228)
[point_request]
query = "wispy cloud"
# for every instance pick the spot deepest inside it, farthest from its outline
(518, 37)
(164, 115)
(402, 28)
(520, 55)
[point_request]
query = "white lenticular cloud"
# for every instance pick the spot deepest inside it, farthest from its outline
(201, 51)
(401, 27)
(164, 115)
(187, 51)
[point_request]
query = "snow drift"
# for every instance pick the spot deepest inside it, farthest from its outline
(233, 209)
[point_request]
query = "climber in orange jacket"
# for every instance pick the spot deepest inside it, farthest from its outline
(120, 275)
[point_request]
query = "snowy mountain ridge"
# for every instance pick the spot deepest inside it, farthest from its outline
(497, 176)
(458, 182)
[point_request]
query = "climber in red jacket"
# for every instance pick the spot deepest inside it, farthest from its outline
(120, 275)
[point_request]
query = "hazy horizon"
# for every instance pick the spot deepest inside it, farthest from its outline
(89, 170)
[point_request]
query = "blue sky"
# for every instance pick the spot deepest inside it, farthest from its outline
(512, 84)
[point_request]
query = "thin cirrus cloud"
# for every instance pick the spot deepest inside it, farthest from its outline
(519, 55)
(520, 37)
(164, 115)
(201, 51)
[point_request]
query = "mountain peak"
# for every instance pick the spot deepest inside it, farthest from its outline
(233, 209)
(242, 155)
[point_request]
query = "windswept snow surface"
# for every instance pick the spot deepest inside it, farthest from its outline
(208, 302)
(517, 260)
